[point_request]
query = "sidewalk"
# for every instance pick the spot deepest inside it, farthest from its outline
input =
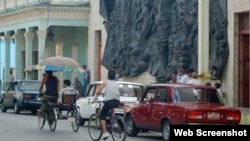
(245, 116)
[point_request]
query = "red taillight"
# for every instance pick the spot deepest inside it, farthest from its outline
(194, 115)
(233, 116)
(27, 96)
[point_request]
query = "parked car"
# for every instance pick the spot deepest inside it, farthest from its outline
(129, 95)
(22, 96)
(163, 105)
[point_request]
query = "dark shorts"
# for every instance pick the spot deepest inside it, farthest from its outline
(108, 105)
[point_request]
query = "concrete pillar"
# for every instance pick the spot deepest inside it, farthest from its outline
(19, 64)
(7, 40)
(41, 47)
(28, 53)
(203, 38)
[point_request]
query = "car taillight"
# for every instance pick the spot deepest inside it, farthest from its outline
(194, 115)
(233, 116)
(27, 96)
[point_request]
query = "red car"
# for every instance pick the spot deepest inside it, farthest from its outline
(163, 105)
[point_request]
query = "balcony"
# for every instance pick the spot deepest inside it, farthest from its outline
(7, 6)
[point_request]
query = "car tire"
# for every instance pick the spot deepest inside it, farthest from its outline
(16, 108)
(3, 108)
(82, 122)
(132, 130)
(165, 130)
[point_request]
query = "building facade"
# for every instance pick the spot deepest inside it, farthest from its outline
(39, 29)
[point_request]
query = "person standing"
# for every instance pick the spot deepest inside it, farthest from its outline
(111, 100)
(52, 88)
(86, 80)
(187, 76)
(77, 85)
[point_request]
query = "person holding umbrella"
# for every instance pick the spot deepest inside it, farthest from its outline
(52, 88)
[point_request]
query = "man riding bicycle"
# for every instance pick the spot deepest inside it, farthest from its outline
(52, 88)
(111, 99)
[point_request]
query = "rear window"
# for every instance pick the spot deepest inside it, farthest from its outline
(197, 95)
(127, 90)
(130, 90)
(29, 85)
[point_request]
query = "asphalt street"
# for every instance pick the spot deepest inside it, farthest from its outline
(24, 127)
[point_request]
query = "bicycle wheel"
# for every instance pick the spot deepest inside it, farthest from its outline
(75, 122)
(52, 120)
(118, 128)
(94, 127)
(41, 119)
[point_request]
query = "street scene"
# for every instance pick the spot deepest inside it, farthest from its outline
(124, 70)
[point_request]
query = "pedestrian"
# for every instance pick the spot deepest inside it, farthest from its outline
(187, 76)
(51, 84)
(111, 100)
(86, 80)
(194, 80)
(180, 74)
(77, 85)
(12, 81)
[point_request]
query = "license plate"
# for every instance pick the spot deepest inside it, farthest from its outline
(213, 115)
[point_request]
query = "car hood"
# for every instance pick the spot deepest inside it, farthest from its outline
(122, 99)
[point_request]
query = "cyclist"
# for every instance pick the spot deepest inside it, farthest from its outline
(52, 88)
(111, 100)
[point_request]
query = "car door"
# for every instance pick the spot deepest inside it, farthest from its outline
(8, 100)
(144, 119)
(158, 107)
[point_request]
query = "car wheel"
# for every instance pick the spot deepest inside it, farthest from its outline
(82, 121)
(3, 108)
(16, 108)
(132, 130)
(165, 130)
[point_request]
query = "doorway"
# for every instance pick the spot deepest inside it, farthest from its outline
(244, 62)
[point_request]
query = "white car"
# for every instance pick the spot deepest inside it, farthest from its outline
(130, 93)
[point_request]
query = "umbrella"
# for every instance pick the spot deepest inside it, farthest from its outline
(59, 63)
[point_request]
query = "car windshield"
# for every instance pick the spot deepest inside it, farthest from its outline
(203, 95)
(26, 85)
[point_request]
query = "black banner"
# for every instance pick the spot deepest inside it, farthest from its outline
(198, 132)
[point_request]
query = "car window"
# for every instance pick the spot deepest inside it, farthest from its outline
(149, 95)
(32, 86)
(130, 90)
(196, 95)
(161, 95)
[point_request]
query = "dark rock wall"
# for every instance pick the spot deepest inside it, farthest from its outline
(158, 36)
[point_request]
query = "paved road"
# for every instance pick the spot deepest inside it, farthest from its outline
(24, 127)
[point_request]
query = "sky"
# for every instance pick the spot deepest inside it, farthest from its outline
(2, 57)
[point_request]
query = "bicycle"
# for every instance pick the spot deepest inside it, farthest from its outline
(115, 125)
(49, 114)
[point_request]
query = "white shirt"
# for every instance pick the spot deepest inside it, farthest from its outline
(67, 90)
(185, 79)
(194, 82)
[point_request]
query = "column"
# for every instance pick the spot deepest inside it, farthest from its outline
(41, 47)
(203, 38)
(28, 53)
(19, 63)
(7, 40)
